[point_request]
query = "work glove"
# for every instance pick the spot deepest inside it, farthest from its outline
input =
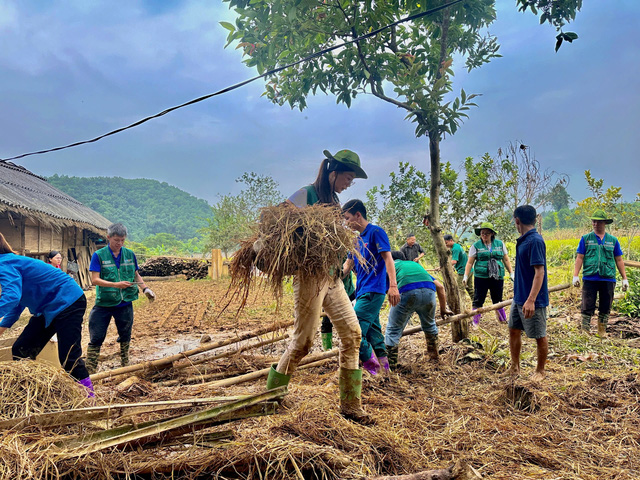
(509, 276)
(625, 285)
(576, 281)
(464, 280)
(149, 294)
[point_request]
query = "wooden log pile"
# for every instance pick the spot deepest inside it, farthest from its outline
(167, 266)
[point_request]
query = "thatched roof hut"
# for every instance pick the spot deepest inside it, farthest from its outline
(36, 217)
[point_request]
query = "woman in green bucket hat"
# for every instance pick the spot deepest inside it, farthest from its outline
(335, 175)
(489, 259)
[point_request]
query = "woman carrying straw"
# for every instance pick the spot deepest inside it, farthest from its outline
(336, 174)
(489, 258)
(57, 303)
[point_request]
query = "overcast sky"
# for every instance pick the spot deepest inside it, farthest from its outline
(72, 70)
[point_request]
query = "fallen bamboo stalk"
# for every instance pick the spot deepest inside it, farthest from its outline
(462, 316)
(312, 361)
(179, 356)
(631, 263)
(201, 378)
(231, 353)
(89, 414)
(169, 314)
(158, 429)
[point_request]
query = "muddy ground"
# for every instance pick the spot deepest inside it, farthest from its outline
(581, 422)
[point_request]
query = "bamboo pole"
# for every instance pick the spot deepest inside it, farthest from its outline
(172, 358)
(192, 419)
(631, 263)
(89, 414)
(496, 306)
(234, 352)
(308, 362)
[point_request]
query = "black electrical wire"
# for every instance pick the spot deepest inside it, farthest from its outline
(241, 84)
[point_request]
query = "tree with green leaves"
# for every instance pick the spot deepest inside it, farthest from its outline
(234, 215)
(398, 206)
(408, 65)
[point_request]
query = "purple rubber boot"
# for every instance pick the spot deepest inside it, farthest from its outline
(502, 316)
(476, 320)
(372, 365)
(86, 383)
(384, 364)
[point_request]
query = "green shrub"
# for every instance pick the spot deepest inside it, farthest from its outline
(630, 304)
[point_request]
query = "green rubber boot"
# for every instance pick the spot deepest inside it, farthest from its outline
(327, 341)
(124, 353)
(392, 355)
(275, 379)
(93, 353)
(603, 320)
(586, 322)
(351, 396)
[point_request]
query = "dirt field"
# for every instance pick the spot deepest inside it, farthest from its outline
(582, 422)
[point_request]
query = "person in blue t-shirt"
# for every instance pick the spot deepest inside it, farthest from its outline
(530, 292)
(56, 302)
(600, 253)
(372, 284)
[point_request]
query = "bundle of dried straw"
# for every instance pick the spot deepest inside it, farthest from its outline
(28, 387)
(312, 242)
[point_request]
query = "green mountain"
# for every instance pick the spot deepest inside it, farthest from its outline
(144, 206)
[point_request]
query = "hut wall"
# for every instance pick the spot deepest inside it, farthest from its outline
(11, 230)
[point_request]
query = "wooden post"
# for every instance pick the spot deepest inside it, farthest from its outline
(216, 264)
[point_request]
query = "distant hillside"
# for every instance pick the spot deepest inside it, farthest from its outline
(145, 206)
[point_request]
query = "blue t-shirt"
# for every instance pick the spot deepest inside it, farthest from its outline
(530, 251)
(371, 242)
(617, 252)
(33, 284)
(95, 264)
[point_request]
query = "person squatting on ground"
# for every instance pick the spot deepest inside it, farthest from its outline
(372, 284)
(418, 292)
(530, 292)
(57, 304)
(459, 261)
(598, 255)
(412, 250)
(336, 174)
(114, 272)
(488, 258)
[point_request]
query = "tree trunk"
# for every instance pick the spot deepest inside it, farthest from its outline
(459, 329)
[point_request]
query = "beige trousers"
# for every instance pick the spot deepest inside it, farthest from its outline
(309, 300)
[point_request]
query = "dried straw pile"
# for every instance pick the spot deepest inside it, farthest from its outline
(28, 387)
(311, 242)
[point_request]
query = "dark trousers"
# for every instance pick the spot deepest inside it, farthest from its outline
(484, 285)
(99, 320)
(593, 289)
(68, 326)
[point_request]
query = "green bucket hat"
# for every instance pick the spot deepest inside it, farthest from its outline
(350, 160)
(488, 225)
(600, 215)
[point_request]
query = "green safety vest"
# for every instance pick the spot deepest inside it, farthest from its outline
(599, 259)
(109, 296)
(312, 195)
(481, 267)
(461, 262)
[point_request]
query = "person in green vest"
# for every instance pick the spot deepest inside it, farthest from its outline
(114, 272)
(459, 260)
(489, 259)
(335, 175)
(418, 291)
(598, 255)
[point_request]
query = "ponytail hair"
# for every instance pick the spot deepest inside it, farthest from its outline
(323, 187)
(4, 246)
